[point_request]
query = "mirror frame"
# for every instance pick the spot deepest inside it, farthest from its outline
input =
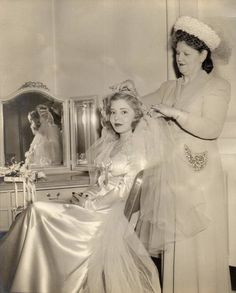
(30, 87)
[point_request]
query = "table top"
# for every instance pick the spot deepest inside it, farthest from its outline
(66, 180)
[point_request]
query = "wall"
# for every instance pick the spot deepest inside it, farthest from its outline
(222, 15)
(81, 47)
(26, 44)
(100, 43)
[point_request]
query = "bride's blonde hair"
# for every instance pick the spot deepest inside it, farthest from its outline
(132, 101)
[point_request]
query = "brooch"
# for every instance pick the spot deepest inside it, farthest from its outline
(197, 160)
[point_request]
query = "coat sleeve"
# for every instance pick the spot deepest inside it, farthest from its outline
(155, 97)
(214, 109)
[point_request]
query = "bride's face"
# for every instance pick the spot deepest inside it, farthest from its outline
(121, 116)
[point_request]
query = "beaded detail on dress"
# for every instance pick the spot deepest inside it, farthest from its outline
(197, 160)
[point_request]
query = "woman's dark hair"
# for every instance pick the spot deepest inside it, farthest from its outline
(133, 102)
(195, 43)
(34, 116)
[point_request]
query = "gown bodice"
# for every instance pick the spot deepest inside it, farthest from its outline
(115, 171)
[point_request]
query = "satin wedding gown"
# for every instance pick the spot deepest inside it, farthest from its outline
(55, 247)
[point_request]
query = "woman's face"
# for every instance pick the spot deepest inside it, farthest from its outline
(121, 116)
(189, 60)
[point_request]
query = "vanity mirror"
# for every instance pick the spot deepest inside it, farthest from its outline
(85, 128)
(35, 128)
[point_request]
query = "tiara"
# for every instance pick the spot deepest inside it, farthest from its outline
(121, 88)
(198, 29)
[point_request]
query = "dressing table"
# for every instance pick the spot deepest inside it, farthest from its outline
(78, 121)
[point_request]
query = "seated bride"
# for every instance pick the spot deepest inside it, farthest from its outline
(46, 147)
(88, 246)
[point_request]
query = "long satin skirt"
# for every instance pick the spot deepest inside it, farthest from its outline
(55, 247)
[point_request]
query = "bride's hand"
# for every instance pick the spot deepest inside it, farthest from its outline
(79, 199)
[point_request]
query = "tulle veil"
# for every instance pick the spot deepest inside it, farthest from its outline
(166, 215)
(163, 216)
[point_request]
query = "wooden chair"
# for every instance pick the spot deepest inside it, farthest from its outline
(132, 206)
(133, 202)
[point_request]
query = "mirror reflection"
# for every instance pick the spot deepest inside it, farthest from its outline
(33, 129)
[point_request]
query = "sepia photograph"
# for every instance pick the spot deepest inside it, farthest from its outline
(117, 146)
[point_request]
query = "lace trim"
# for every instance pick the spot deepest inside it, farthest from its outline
(197, 160)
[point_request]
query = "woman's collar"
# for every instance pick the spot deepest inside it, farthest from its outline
(201, 76)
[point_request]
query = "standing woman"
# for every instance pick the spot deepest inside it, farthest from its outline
(186, 215)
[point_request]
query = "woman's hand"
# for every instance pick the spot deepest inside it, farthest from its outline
(154, 113)
(127, 85)
(166, 111)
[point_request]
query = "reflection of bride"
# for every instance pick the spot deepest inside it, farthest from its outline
(46, 147)
(89, 246)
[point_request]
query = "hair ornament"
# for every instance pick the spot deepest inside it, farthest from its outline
(126, 87)
(198, 29)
